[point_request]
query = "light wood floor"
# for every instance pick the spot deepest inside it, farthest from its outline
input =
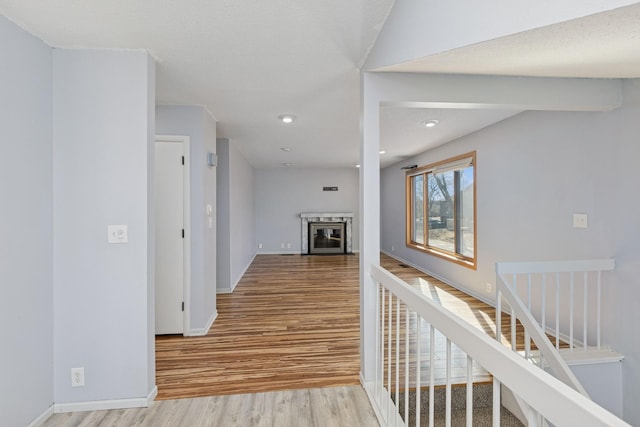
(322, 407)
(292, 322)
(289, 333)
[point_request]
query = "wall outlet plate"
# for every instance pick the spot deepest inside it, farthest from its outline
(580, 220)
(77, 377)
(117, 234)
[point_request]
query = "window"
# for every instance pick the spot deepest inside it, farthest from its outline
(441, 209)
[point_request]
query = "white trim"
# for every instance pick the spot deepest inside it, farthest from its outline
(557, 402)
(555, 266)
(42, 417)
(279, 253)
(442, 279)
(101, 405)
(223, 290)
(200, 332)
(186, 214)
(369, 389)
(152, 395)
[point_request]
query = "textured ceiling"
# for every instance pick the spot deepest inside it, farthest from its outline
(604, 45)
(248, 61)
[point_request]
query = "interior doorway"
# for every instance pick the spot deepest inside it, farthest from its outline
(171, 204)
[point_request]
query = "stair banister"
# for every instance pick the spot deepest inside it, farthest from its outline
(551, 398)
(558, 366)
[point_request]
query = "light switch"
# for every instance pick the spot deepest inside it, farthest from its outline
(117, 234)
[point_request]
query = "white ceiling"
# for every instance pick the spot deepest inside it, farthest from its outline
(249, 61)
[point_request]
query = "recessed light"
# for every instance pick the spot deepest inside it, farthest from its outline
(286, 165)
(357, 166)
(382, 151)
(286, 149)
(287, 118)
(430, 123)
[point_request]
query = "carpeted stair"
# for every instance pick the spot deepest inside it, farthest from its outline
(482, 404)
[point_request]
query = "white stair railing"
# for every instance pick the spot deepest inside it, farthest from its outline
(573, 290)
(404, 315)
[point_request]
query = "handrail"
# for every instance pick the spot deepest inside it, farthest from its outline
(555, 266)
(557, 402)
(558, 366)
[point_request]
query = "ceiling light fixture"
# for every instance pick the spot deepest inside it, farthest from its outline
(287, 118)
(286, 149)
(381, 151)
(357, 166)
(286, 165)
(430, 123)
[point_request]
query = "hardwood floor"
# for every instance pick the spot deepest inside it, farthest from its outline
(292, 322)
(289, 334)
(325, 407)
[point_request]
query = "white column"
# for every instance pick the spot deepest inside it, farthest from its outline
(369, 223)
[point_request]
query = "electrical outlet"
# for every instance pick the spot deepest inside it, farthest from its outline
(281, 245)
(259, 245)
(77, 377)
(489, 287)
(580, 220)
(393, 248)
(288, 245)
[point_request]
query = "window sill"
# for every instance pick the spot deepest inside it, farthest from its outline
(465, 262)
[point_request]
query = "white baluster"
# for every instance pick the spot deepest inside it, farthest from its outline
(598, 308)
(448, 386)
(469, 391)
(418, 365)
(584, 311)
(432, 357)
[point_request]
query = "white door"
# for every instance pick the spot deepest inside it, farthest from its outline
(169, 237)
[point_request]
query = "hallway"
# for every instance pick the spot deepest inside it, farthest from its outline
(291, 323)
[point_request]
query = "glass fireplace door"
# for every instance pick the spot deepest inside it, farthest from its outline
(326, 238)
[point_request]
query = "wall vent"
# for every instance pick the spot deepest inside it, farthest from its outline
(329, 188)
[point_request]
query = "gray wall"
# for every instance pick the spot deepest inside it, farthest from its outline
(242, 203)
(223, 217)
(197, 123)
(26, 227)
(101, 139)
(282, 194)
(533, 172)
(236, 222)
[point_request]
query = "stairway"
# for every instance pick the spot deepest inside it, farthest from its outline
(482, 406)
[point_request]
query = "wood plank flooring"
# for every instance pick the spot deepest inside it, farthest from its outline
(292, 322)
(323, 407)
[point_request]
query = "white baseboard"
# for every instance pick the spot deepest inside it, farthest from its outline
(279, 253)
(202, 331)
(223, 291)
(101, 405)
(42, 418)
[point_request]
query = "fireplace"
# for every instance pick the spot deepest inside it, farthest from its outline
(324, 233)
(326, 238)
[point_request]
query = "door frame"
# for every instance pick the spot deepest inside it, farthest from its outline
(186, 215)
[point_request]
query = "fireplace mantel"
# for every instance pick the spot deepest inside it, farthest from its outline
(307, 217)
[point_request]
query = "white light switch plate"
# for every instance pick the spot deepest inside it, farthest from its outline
(117, 234)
